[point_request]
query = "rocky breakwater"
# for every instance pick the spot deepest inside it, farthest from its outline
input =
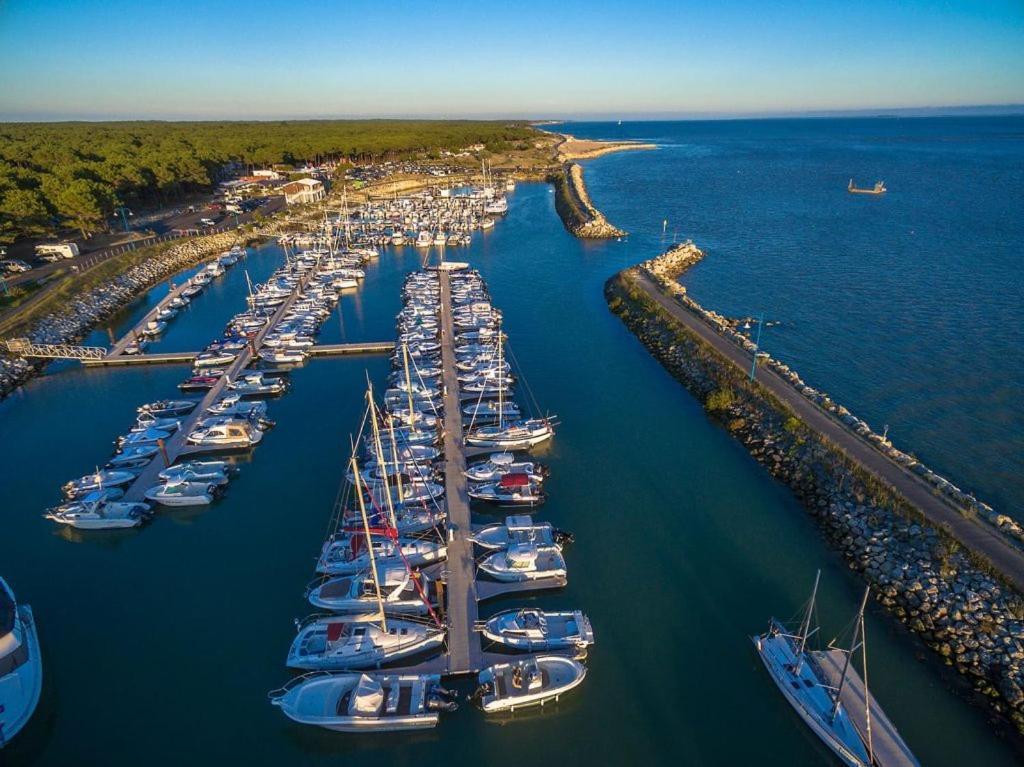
(82, 311)
(947, 596)
(575, 208)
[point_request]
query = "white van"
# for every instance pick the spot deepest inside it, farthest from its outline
(61, 249)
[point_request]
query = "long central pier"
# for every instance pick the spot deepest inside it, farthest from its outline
(177, 445)
(465, 654)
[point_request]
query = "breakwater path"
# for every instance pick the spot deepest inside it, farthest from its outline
(977, 537)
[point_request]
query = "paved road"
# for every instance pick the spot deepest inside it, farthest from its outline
(974, 535)
(166, 224)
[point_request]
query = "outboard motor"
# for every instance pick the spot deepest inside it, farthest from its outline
(563, 537)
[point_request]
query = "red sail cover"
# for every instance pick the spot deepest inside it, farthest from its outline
(334, 631)
(514, 480)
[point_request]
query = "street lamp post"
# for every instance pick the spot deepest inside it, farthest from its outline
(757, 346)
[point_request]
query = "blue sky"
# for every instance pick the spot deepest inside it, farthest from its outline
(255, 59)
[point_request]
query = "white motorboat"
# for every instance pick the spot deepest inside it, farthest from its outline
(424, 239)
(529, 682)
(182, 492)
(490, 410)
(255, 385)
(518, 435)
(347, 643)
(213, 472)
(525, 562)
(510, 490)
(168, 407)
(154, 328)
(347, 554)
(498, 465)
(283, 356)
(402, 592)
(364, 703)
(519, 529)
(535, 630)
(226, 435)
(213, 359)
(97, 481)
(94, 512)
(133, 456)
(21, 665)
(147, 421)
(143, 438)
(234, 405)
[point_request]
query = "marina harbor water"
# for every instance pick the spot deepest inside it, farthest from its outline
(682, 545)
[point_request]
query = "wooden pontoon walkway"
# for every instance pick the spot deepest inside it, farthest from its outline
(465, 654)
(176, 445)
(171, 358)
(887, 746)
(136, 332)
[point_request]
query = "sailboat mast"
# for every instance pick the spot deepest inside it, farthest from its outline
(379, 451)
(853, 648)
(408, 386)
(805, 625)
(501, 383)
(867, 692)
(397, 464)
(369, 543)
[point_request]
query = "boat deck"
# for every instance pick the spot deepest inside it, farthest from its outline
(887, 747)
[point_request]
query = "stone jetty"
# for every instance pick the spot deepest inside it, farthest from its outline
(575, 208)
(82, 312)
(951, 598)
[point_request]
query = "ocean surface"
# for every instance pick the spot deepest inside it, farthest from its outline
(161, 645)
(908, 307)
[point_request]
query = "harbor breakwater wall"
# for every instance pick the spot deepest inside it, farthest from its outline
(575, 208)
(949, 597)
(83, 312)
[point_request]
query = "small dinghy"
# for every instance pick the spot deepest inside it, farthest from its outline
(519, 529)
(98, 481)
(510, 490)
(21, 665)
(498, 465)
(347, 554)
(93, 512)
(528, 682)
(534, 630)
(182, 493)
(168, 407)
(402, 592)
(525, 562)
(518, 435)
(364, 703)
(346, 643)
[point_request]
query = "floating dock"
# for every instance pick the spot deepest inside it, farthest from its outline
(172, 358)
(136, 332)
(465, 654)
(176, 445)
(886, 746)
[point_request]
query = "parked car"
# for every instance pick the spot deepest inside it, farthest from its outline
(207, 222)
(14, 266)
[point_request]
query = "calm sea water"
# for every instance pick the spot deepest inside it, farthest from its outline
(908, 308)
(161, 645)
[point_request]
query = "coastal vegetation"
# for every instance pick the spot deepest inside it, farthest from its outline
(79, 174)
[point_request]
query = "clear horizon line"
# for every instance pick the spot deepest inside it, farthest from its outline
(1011, 108)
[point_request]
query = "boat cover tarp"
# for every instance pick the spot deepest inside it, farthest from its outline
(514, 480)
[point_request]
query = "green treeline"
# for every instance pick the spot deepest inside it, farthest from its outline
(54, 174)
